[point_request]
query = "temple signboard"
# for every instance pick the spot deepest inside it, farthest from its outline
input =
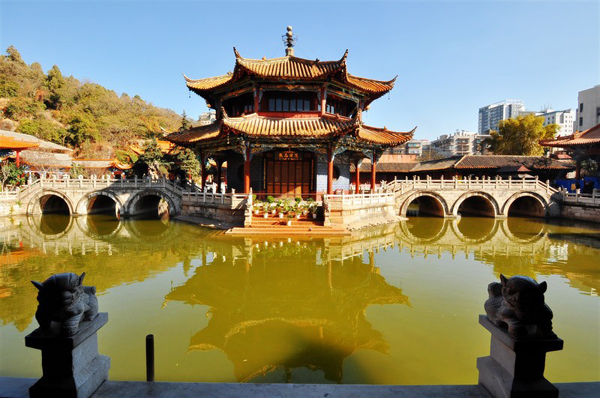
(288, 156)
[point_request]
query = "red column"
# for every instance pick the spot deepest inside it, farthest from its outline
(357, 177)
(18, 158)
(247, 171)
(323, 101)
(203, 170)
(329, 171)
(373, 175)
(218, 176)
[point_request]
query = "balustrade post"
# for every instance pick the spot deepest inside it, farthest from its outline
(509, 182)
(94, 181)
(547, 186)
(442, 182)
(523, 183)
(455, 182)
(577, 191)
(469, 183)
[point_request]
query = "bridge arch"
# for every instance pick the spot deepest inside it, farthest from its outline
(481, 232)
(50, 201)
(525, 203)
(100, 202)
(148, 201)
(431, 202)
(479, 204)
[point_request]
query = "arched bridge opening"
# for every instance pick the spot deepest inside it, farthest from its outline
(102, 204)
(54, 204)
(425, 206)
(526, 206)
(151, 206)
(477, 206)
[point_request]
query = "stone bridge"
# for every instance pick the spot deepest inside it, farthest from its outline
(480, 197)
(122, 198)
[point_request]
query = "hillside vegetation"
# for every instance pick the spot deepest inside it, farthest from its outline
(84, 116)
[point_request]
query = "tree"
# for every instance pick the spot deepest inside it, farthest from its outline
(188, 163)
(12, 174)
(153, 159)
(521, 136)
(185, 123)
(81, 129)
(14, 55)
(55, 82)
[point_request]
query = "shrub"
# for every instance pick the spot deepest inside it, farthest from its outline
(270, 199)
(298, 199)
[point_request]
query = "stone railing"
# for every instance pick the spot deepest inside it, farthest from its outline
(484, 184)
(584, 198)
(97, 183)
(231, 200)
(351, 210)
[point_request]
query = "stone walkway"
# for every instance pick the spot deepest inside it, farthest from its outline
(17, 387)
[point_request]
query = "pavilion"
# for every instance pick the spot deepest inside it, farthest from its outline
(289, 126)
(584, 144)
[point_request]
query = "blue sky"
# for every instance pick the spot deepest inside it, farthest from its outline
(450, 57)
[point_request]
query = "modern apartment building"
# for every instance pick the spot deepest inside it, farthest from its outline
(565, 119)
(491, 115)
(412, 147)
(460, 143)
(588, 111)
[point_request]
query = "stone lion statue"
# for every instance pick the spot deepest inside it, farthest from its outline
(63, 299)
(518, 304)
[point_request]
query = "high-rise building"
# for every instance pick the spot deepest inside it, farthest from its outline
(588, 112)
(490, 115)
(460, 143)
(565, 119)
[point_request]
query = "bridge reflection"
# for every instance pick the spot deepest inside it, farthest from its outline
(36, 247)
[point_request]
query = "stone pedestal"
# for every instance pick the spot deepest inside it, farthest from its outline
(71, 366)
(515, 368)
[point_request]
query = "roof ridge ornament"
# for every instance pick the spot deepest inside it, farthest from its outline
(289, 40)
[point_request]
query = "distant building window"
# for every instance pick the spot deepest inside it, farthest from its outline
(581, 121)
(581, 107)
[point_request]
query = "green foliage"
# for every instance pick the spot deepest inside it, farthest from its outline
(81, 129)
(153, 159)
(43, 128)
(87, 112)
(12, 175)
(188, 163)
(8, 88)
(521, 136)
(270, 199)
(185, 122)
(126, 157)
(77, 170)
(23, 107)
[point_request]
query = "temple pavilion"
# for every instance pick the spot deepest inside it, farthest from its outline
(289, 126)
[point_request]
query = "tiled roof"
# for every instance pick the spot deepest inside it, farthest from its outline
(437, 164)
(370, 85)
(208, 83)
(95, 163)
(12, 143)
(43, 145)
(498, 161)
(254, 125)
(195, 134)
(46, 159)
(383, 135)
(290, 67)
(587, 137)
(398, 167)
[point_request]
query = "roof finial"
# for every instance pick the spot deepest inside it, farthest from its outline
(289, 41)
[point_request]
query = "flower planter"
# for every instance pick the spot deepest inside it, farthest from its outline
(266, 215)
(314, 215)
(289, 223)
(273, 211)
(280, 215)
(256, 212)
(297, 216)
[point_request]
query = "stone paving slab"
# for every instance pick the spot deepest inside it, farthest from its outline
(17, 388)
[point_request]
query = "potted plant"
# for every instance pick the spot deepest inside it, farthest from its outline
(290, 217)
(313, 210)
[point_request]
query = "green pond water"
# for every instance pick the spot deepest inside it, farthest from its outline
(396, 304)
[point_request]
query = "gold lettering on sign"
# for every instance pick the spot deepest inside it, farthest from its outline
(288, 155)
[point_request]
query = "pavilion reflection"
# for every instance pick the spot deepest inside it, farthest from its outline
(287, 306)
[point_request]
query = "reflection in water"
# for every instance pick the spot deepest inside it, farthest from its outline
(276, 313)
(302, 309)
(476, 229)
(53, 224)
